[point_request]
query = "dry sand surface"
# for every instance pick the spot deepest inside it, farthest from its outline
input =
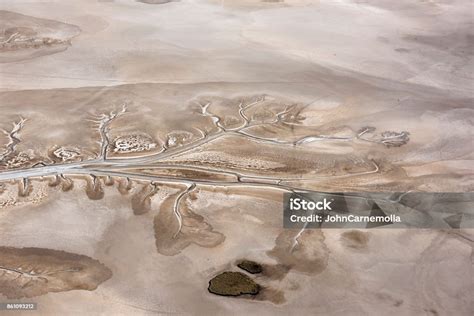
(147, 145)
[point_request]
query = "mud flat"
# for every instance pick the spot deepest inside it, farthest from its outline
(29, 272)
(249, 133)
(145, 147)
(25, 37)
(209, 194)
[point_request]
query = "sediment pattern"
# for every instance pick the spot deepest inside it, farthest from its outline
(145, 148)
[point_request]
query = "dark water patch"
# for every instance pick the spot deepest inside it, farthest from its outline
(233, 284)
(250, 266)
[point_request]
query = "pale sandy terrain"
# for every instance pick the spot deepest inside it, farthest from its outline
(147, 145)
(422, 42)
